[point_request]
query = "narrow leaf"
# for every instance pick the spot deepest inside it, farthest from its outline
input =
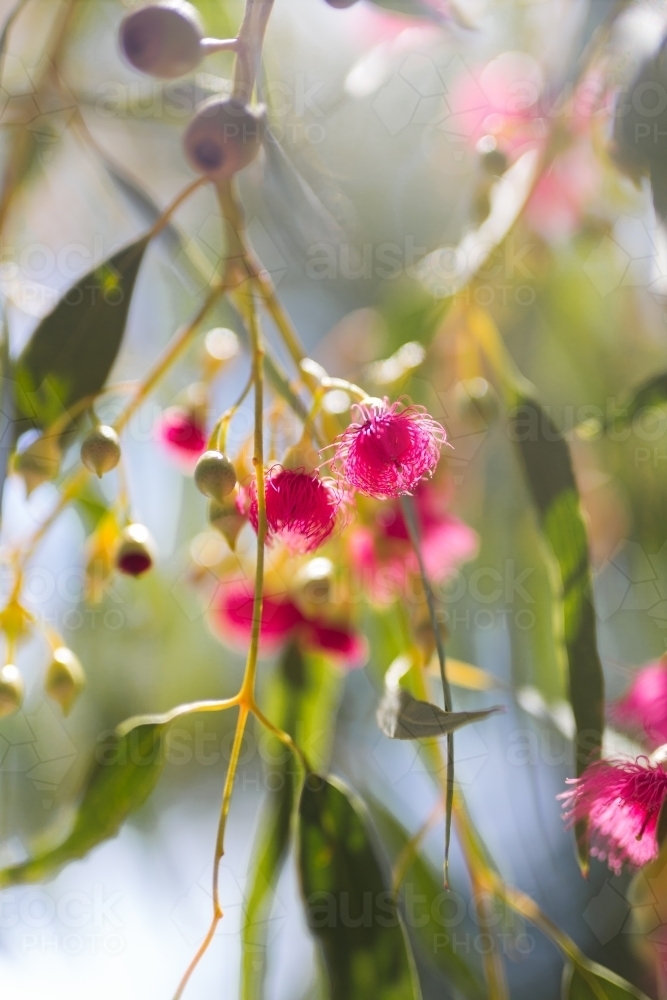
(125, 774)
(302, 699)
(423, 892)
(350, 908)
(551, 479)
(73, 349)
(589, 981)
(402, 717)
(650, 394)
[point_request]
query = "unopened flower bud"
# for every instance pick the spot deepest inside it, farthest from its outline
(163, 39)
(65, 678)
(225, 517)
(100, 450)
(312, 585)
(215, 476)
(11, 690)
(224, 137)
(135, 553)
(37, 460)
(340, 4)
(301, 456)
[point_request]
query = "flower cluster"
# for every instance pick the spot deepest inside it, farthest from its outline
(389, 449)
(283, 621)
(301, 508)
(621, 802)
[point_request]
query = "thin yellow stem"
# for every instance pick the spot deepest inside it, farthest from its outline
(282, 736)
(226, 802)
(411, 848)
(248, 686)
(176, 347)
(249, 47)
(494, 969)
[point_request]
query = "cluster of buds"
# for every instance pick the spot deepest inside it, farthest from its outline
(166, 40)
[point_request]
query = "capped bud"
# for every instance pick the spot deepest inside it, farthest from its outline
(11, 690)
(100, 450)
(223, 137)
(313, 584)
(37, 458)
(65, 679)
(135, 552)
(301, 456)
(225, 517)
(215, 476)
(163, 39)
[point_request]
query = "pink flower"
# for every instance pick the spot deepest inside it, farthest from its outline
(557, 205)
(500, 99)
(391, 448)
(282, 622)
(384, 556)
(182, 435)
(301, 508)
(621, 802)
(645, 703)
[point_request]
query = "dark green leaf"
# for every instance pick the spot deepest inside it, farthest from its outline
(424, 898)
(302, 700)
(349, 906)
(417, 8)
(590, 981)
(72, 351)
(548, 468)
(125, 774)
(402, 717)
(650, 394)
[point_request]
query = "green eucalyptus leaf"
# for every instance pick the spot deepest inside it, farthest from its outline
(400, 716)
(125, 774)
(302, 700)
(422, 891)
(350, 908)
(71, 353)
(589, 981)
(548, 467)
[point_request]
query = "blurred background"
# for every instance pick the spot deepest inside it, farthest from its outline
(378, 155)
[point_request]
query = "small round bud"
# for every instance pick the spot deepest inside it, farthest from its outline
(223, 137)
(11, 690)
(494, 162)
(65, 679)
(215, 476)
(312, 585)
(225, 517)
(135, 552)
(301, 456)
(340, 4)
(100, 450)
(163, 39)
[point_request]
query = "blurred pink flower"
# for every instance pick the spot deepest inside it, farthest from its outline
(621, 802)
(383, 556)
(557, 205)
(182, 435)
(282, 622)
(501, 100)
(645, 703)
